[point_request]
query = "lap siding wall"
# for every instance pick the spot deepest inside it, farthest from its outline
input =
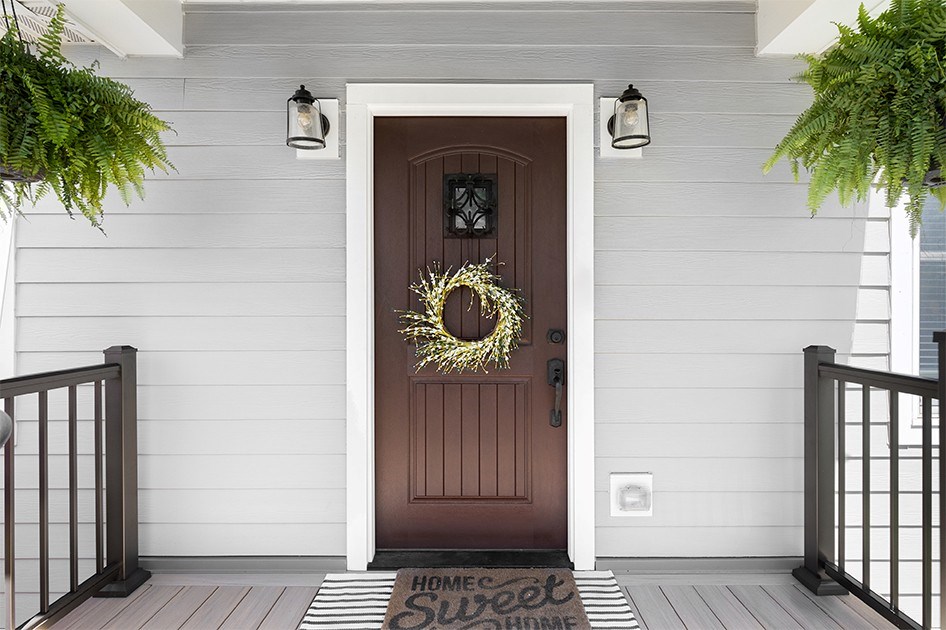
(229, 277)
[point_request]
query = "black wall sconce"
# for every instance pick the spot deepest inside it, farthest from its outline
(306, 126)
(630, 126)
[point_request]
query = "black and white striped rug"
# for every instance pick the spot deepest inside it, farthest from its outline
(358, 601)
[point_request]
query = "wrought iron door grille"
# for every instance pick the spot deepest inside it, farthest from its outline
(469, 205)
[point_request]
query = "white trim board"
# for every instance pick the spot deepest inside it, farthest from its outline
(575, 102)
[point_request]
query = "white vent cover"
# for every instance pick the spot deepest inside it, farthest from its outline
(33, 17)
(632, 494)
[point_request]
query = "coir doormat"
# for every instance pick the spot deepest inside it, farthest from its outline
(359, 601)
(485, 599)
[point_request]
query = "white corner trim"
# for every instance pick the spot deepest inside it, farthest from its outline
(904, 313)
(8, 295)
(153, 28)
(790, 27)
(575, 102)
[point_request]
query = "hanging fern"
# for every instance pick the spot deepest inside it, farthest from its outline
(77, 132)
(879, 113)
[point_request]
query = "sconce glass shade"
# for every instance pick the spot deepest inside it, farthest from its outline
(305, 125)
(630, 125)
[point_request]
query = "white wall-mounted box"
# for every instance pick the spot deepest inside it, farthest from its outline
(632, 494)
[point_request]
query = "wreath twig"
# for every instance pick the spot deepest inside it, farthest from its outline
(437, 345)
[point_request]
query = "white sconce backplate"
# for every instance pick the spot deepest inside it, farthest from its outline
(329, 108)
(605, 111)
(632, 494)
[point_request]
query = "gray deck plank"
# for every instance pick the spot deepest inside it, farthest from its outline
(727, 608)
(250, 612)
(838, 608)
(695, 579)
(217, 608)
(96, 612)
(758, 602)
(83, 612)
(237, 579)
(691, 608)
(801, 608)
(654, 608)
(289, 608)
(659, 601)
(869, 614)
(637, 613)
(146, 607)
(180, 609)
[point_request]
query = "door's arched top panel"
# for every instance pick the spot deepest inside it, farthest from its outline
(449, 151)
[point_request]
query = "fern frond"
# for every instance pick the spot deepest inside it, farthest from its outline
(879, 112)
(85, 133)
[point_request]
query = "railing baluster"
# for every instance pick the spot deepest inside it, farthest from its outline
(43, 501)
(99, 508)
(819, 421)
(842, 463)
(865, 484)
(9, 521)
(116, 564)
(73, 491)
(927, 512)
(940, 338)
(894, 497)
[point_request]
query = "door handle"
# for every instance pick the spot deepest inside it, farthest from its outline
(556, 374)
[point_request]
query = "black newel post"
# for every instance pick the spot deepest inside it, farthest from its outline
(819, 474)
(121, 473)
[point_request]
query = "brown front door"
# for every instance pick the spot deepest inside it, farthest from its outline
(470, 461)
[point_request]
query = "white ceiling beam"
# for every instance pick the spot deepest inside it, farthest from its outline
(791, 27)
(153, 28)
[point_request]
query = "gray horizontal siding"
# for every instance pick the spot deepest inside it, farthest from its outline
(364, 60)
(230, 276)
(671, 95)
(439, 27)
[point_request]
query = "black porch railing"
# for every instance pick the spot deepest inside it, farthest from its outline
(824, 572)
(116, 484)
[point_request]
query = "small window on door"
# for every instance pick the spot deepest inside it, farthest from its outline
(470, 205)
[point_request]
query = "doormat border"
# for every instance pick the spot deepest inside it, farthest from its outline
(467, 559)
(359, 601)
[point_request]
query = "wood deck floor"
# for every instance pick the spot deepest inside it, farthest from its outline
(661, 602)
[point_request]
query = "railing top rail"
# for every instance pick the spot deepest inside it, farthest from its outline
(905, 383)
(33, 383)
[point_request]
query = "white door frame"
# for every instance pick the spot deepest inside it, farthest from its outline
(575, 102)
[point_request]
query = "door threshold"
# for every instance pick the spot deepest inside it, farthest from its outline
(386, 559)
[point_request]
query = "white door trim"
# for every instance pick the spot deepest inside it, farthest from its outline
(575, 102)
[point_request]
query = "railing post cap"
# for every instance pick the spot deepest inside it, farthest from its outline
(121, 349)
(820, 349)
(939, 335)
